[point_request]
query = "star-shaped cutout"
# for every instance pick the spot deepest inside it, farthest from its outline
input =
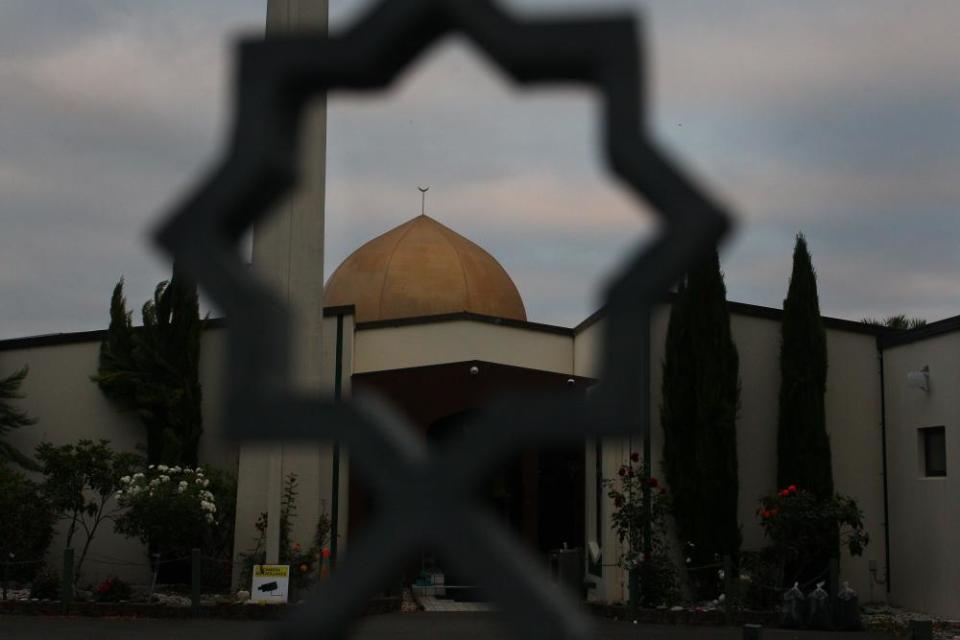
(276, 80)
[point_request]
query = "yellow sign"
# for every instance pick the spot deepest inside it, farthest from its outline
(271, 571)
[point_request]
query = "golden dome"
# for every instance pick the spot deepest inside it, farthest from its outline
(422, 268)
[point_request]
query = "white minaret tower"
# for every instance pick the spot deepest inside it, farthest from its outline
(288, 253)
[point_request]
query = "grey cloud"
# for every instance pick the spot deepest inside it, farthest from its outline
(832, 118)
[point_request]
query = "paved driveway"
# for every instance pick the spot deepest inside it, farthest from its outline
(409, 626)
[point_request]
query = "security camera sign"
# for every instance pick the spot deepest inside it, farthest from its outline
(270, 583)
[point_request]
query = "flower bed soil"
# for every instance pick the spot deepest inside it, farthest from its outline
(144, 610)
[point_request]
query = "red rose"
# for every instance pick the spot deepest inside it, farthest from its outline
(654, 483)
(663, 491)
(325, 553)
(792, 488)
(618, 501)
(635, 456)
(622, 472)
(783, 494)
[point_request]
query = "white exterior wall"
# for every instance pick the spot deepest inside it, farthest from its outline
(853, 423)
(924, 512)
(398, 347)
(853, 408)
(69, 407)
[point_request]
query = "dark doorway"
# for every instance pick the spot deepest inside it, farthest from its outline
(539, 493)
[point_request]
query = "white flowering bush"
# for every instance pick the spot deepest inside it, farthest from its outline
(170, 509)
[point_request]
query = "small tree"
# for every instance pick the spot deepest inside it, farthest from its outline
(701, 395)
(803, 447)
(12, 418)
(26, 526)
(80, 482)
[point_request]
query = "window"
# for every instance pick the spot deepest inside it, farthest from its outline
(933, 452)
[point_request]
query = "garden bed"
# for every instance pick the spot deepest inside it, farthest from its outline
(693, 616)
(151, 610)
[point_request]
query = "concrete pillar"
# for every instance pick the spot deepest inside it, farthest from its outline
(288, 254)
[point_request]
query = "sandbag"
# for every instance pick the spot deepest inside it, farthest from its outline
(847, 611)
(819, 609)
(793, 609)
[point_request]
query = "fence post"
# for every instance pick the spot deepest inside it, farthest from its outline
(921, 630)
(66, 584)
(195, 580)
(730, 595)
(751, 631)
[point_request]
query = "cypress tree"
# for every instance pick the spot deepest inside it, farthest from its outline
(803, 447)
(701, 396)
(154, 370)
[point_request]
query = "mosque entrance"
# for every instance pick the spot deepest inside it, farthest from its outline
(539, 493)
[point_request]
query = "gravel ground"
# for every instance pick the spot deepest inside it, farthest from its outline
(893, 619)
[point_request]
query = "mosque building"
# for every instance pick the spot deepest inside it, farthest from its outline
(433, 323)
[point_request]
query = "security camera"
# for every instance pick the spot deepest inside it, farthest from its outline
(474, 370)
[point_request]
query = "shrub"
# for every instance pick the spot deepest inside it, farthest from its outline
(656, 572)
(45, 585)
(761, 575)
(112, 590)
(804, 529)
(170, 509)
(26, 526)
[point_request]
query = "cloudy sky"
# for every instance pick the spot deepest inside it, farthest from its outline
(838, 119)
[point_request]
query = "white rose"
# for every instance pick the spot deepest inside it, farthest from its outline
(150, 466)
(162, 467)
(199, 480)
(137, 476)
(206, 483)
(164, 478)
(175, 470)
(119, 495)
(210, 518)
(125, 479)
(155, 482)
(181, 489)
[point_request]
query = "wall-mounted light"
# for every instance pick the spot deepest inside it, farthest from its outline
(474, 370)
(919, 379)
